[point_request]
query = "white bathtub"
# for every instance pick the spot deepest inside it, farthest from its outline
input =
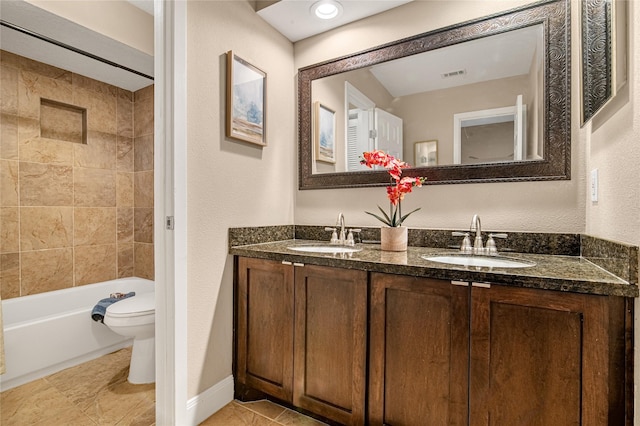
(48, 332)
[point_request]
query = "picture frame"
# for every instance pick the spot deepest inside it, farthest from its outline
(324, 133)
(425, 153)
(246, 97)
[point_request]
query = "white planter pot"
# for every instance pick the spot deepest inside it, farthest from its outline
(394, 238)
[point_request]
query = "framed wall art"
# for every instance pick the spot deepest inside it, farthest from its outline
(425, 153)
(246, 94)
(324, 133)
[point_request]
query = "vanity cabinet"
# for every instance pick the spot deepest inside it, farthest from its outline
(419, 350)
(520, 356)
(540, 357)
(301, 335)
(264, 328)
(373, 348)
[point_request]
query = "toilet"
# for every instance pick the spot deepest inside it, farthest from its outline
(135, 317)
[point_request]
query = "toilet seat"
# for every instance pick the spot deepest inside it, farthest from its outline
(136, 310)
(140, 304)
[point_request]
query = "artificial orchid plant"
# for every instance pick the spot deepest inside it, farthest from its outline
(396, 191)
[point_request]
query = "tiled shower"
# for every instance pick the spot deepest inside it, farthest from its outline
(76, 179)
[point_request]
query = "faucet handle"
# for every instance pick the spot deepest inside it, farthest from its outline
(491, 248)
(350, 239)
(499, 235)
(465, 247)
(334, 235)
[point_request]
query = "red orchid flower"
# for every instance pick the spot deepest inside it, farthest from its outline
(396, 192)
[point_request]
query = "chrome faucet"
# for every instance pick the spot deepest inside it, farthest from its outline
(477, 228)
(340, 223)
(342, 238)
(478, 248)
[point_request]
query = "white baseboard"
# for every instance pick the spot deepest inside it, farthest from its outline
(202, 406)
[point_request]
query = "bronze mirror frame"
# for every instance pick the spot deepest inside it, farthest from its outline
(555, 17)
(597, 55)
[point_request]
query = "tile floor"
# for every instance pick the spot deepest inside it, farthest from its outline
(93, 393)
(97, 393)
(258, 413)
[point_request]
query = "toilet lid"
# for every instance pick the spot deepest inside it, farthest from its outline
(140, 304)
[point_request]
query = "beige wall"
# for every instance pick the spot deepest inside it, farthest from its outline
(525, 206)
(613, 141)
(67, 208)
(229, 183)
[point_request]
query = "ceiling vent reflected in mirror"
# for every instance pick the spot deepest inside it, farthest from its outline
(454, 73)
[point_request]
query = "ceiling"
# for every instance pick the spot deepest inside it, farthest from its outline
(294, 20)
(146, 5)
(47, 24)
(290, 17)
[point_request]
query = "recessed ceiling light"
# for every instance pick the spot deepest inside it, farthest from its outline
(326, 9)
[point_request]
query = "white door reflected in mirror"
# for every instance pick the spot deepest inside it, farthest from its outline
(495, 135)
(369, 128)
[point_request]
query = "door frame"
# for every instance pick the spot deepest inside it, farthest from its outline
(170, 247)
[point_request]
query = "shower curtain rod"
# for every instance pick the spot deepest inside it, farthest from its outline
(68, 47)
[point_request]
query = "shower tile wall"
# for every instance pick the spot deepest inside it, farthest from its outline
(72, 213)
(143, 183)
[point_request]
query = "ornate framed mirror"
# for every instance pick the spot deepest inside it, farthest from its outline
(544, 75)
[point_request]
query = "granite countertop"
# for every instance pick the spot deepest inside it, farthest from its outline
(551, 272)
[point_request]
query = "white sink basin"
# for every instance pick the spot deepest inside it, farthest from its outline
(324, 249)
(480, 261)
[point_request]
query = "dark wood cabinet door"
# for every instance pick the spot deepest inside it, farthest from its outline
(418, 351)
(330, 342)
(265, 327)
(545, 358)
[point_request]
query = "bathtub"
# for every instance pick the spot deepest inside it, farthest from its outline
(48, 332)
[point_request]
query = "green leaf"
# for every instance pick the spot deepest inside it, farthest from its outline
(394, 218)
(386, 216)
(385, 221)
(406, 215)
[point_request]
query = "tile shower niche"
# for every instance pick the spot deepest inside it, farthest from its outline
(63, 121)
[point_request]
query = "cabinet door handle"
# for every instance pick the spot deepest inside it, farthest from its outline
(481, 285)
(298, 264)
(286, 262)
(460, 283)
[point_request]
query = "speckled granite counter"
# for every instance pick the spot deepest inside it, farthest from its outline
(551, 272)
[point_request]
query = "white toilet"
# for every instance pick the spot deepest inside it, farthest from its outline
(135, 317)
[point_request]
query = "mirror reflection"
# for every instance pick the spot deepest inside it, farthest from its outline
(476, 102)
